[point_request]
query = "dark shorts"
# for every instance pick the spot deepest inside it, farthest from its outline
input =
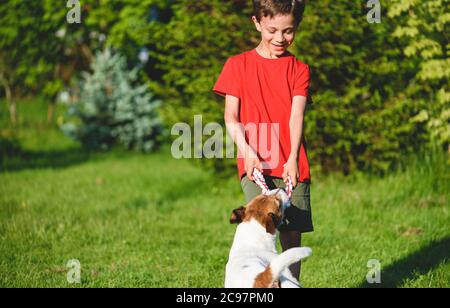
(297, 217)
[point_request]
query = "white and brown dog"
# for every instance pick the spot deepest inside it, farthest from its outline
(253, 261)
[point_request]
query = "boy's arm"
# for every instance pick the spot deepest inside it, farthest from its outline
(237, 133)
(296, 134)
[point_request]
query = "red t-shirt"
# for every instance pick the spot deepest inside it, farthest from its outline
(266, 88)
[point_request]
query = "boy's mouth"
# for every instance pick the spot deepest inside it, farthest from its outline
(279, 47)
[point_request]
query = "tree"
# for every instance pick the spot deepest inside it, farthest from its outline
(424, 28)
(112, 109)
(40, 51)
(23, 64)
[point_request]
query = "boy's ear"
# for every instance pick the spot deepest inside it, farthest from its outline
(257, 24)
(237, 216)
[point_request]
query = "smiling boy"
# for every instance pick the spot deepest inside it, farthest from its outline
(269, 85)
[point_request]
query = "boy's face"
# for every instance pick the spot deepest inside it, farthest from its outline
(277, 33)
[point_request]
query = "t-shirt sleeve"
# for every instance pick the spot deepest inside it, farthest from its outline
(302, 80)
(228, 81)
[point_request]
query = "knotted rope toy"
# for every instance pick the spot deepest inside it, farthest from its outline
(259, 180)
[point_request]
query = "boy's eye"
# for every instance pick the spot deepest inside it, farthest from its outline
(273, 31)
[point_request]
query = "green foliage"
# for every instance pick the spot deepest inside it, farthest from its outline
(112, 109)
(40, 51)
(424, 28)
(360, 119)
(26, 63)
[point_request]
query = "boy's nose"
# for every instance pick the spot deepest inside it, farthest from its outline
(279, 39)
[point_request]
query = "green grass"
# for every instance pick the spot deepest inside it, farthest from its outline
(136, 220)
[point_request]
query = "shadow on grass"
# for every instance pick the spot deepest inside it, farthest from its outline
(19, 160)
(418, 263)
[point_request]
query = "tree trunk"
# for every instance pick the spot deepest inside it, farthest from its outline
(50, 112)
(13, 112)
(9, 99)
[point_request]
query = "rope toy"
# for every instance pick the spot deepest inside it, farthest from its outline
(259, 180)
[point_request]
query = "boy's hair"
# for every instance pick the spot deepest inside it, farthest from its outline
(271, 8)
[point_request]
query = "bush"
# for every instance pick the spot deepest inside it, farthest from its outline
(112, 110)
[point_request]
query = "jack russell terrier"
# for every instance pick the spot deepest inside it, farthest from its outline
(253, 261)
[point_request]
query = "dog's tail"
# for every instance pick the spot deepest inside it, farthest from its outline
(273, 272)
(290, 256)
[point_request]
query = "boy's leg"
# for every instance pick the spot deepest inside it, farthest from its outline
(252, 190)
(298, 220)
(292, 239)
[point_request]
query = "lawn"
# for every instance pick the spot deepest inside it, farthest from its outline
(135, 220)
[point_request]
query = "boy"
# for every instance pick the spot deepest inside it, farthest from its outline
(269, 86)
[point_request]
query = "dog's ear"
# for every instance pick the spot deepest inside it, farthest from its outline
(237, 216)
(271, 222)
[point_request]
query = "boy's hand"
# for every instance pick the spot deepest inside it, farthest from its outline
(251, 163)
(291, 169)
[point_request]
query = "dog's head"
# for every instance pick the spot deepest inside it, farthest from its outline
(268, 210)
